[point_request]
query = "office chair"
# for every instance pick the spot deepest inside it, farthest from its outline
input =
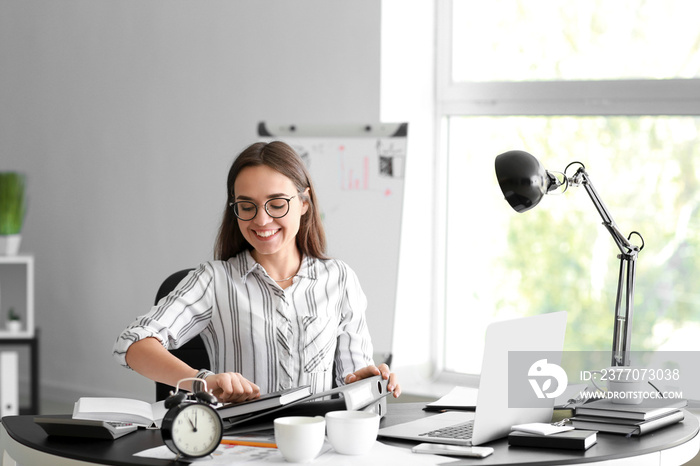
(193, 352)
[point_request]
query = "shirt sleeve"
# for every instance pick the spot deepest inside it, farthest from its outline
(354, 349)
(176, 318)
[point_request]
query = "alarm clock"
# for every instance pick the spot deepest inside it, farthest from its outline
(192, 427)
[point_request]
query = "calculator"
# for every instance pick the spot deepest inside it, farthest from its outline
(68, 427)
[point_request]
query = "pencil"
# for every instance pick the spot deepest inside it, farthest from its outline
(245, 443)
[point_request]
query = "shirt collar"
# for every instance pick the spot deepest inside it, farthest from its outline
(247, 264)
(308, 267)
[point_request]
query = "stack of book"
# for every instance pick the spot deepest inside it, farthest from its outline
(606, 416)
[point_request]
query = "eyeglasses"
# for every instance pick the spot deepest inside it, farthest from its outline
(277, 207)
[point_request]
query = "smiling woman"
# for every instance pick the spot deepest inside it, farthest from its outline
(271, 235)
(274, 312)
(283, 175)
(269, 231)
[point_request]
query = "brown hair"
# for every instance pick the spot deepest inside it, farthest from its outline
(311, 238)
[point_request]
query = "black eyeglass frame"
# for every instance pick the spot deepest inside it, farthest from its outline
(235, 208)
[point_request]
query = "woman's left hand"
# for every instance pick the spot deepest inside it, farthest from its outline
(370, 371)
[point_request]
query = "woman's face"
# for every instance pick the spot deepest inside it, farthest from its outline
(268, 235)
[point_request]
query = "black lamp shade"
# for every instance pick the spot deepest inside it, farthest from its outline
(522, 179)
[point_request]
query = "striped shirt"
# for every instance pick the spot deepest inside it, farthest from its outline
(277, 338)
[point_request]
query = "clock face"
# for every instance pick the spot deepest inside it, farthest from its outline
(195, 430)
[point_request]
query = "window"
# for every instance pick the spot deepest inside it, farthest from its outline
(614, 85)
(546, 40)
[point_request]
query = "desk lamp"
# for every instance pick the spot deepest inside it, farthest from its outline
(524, 183)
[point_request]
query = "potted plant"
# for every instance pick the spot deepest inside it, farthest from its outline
(14, 323)
(12, 210)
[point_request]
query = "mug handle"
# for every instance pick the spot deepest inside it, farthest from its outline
(595, 384)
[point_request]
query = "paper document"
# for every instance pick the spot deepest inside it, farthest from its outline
(457, 398)
(230, 454)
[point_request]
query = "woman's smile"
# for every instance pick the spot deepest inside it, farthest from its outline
(266, 235)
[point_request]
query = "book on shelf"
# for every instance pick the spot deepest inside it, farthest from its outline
(648, 409)
(630, 427)
(136, 412)
(569, 440)
(264, 402)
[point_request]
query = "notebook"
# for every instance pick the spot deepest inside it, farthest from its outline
(493, 417)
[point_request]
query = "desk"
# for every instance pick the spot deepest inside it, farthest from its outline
(28, 444)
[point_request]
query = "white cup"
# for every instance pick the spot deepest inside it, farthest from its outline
(300, 438)
(352, 432)
(623, 384)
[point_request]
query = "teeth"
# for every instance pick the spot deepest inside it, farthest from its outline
(266, 233)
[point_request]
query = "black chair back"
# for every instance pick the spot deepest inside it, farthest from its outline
(193, 352)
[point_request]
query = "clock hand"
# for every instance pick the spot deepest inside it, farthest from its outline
(193, 424)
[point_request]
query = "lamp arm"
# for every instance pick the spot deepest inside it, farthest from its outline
(622, 330)
(581, 177)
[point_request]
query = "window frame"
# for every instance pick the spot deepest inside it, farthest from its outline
(672, 97)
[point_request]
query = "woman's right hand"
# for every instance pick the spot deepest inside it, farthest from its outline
(232, 387)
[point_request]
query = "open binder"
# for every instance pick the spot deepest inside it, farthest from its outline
(364, 395)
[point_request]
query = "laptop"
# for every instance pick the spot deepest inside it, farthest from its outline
(493, 417)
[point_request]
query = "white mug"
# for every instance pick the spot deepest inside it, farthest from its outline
(300, 438)
(352, 432)
(624, 384)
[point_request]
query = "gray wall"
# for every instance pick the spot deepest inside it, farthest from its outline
(126, 116)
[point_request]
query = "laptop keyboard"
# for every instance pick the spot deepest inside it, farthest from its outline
(456, 431)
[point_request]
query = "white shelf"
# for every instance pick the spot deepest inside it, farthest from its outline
(5, 335)
(21, 300)
(16, 259)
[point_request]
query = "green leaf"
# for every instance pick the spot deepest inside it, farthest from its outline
(12, 202)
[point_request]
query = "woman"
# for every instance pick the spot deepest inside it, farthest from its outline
(273, 310)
